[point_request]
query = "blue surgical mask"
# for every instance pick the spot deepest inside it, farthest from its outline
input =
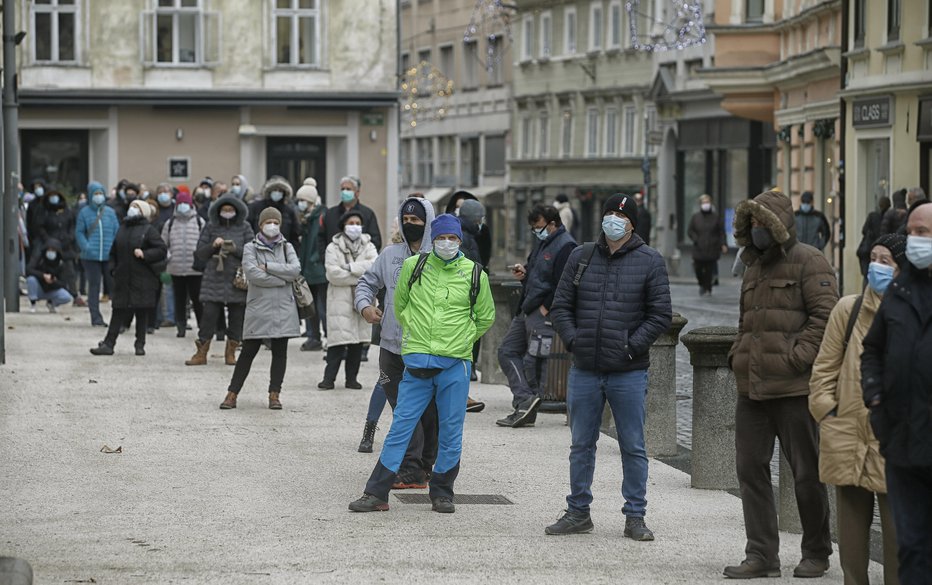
(39, 192)
(919, 251)
(614, 227)
(805, 207)
(346, 195)
(276, 196)
(540, 233)
(235, 190)
(183, 208)
(302, 205)
(879, 276)
(54, 199)
(164, 198)
(51, 254)
(99, 199)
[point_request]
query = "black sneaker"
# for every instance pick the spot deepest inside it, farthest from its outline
(410, 480)
(509, 421)
(140, 351)
(325, 385)
(368, 503)
(571, 523)
(524, 416)
(102, 349)
(353, 385)
(752, 568)
(635, 529)
(311, 345)
(443, 504)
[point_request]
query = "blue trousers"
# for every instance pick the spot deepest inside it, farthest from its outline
(57, 297)
(450, 389)
(626, 393)
(96, 271)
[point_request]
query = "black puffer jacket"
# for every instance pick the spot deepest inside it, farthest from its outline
(895, 366)
(544, 268)
(217, 283)
(621, 307)
(136, 281)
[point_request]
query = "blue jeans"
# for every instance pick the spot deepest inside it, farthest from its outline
(95, 271)
(626, 393)
(909, 491)
(376, 403)
(57, 297)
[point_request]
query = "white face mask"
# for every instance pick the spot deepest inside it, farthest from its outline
(227, 214)
(271, 230)
(706, 207)
(352, 231)
(446, 249)
(133, 212)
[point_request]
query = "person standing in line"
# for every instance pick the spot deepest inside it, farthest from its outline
(895, 217)
(95, 230)
(137, 257)
(896, 384)
(220, 252)
(348, 257)
(812, 226)
(707, 232)
(239, 188)
(870, 232)
(310, 212)
(181, 234)
(645, 219)
(45, 277)
(276, 193)
(271, 266)
(57, 222)
(471, 214)
(34, 212)
(440, 323)
(849, 454)
(788, 292)
(612, 303)
(202, 197)
(484, 237)
(567, 215)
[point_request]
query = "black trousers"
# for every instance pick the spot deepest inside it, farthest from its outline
(319, 292)
(211, 311)
(248, 353)
(335, 356)
(121, 317)
(757, 423)
(185, 288)
(909, 490)
(422, 449)
(705, 274)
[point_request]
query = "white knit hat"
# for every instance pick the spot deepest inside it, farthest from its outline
(143, 207)
(308, 192)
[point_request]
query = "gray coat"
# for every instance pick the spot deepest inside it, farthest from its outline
(217, 285)
(271, 311)
(181, 234)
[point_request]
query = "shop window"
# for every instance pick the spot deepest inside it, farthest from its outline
(180, 32)
(297, 32)
(55, 31)
(494, 155)
(569, 30)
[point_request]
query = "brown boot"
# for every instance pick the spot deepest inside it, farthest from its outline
(274, 403)
(229, 354)
(200, 356)
(228, 402)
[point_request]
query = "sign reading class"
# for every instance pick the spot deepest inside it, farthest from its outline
(872, 112)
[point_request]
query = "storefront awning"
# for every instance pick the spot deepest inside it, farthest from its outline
(436, 194)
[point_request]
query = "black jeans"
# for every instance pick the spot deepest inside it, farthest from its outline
(705, 274)
(335, 356)
(211, 311)
(248, 354)
(909, 490)
(319, 292)
(757, 423)
(186, 287)
(120, 317)
(422, 449)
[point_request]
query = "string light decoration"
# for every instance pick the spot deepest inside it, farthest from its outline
(491, 20)
(684, 28)
(427, 92)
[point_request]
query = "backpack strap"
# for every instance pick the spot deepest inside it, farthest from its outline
(418, 268)
(588, 249)
(852, 319)
(474, 288)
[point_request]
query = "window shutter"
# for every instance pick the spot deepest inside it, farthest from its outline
(147, 37)
(212, 42)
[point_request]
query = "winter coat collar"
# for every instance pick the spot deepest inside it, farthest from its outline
(269, 244)
(348, 246)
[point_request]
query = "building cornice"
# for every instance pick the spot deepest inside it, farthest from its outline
(808, 14)
(807, 113)
(817, 65)
(140, 97)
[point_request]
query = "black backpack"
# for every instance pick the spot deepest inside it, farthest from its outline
(473, 287)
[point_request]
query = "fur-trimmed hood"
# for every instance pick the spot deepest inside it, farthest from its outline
(774, 211)
(242, 212)
(277, 183)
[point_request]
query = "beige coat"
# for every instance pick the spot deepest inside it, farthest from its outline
(345, 261)
(849, 454)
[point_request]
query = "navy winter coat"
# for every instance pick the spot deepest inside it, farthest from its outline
(622, 305)
(544, 267)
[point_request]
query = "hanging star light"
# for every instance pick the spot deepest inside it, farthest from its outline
(684, 28)
(491, 20)
(426, 92)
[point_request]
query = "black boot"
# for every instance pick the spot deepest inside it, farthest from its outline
(368, 437)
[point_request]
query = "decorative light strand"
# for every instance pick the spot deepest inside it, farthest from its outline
(685, 27)
(491, 19)
(426, 92)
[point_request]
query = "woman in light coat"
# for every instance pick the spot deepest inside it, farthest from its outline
(181, 234)
(849, 454)
(348, 256)
(270, 265)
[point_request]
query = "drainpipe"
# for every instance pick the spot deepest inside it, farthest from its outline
(842, 139)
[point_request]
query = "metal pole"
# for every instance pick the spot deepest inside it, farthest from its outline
(10, 160)
(3, 214)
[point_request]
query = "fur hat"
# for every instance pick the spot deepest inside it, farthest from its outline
(270, 213)
(276, 183)
(308, 192)
(623, 203)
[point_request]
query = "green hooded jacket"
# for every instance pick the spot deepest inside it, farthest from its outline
(434, 311)
(312, 261)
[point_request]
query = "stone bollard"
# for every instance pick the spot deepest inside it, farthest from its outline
(660, 424)
(503, 290)
(714, 401)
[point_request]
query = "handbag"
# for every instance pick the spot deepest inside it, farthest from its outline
(303, 298)
(239, 279)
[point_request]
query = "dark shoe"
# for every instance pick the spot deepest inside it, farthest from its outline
(474, 405)
(326, 385)
(443, 504)
(368, 503)
(753, 569)
(527, 412)
(368, 437)
(181, 333)
(150, 330)
(100, 324)
(635, 529)
(410, 480)
(102, 349)
(274, 402)
(473, 377)
(140, 350)
(509, 421)
(311, 345)
(353, 385)
(571, 523)
(811, 568)
(221, 337)
(229, 402)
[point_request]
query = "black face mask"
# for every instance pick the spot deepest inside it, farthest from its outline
(412, 232)
(761, 238)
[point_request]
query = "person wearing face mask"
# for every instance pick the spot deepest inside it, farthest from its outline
(311, 255)
(94, 232)
(896, 385)
(484, 235)
(707, 232)
(347, 258)
(239, 188)
(45, 277)
(219, 253)
(612, 303)
(138, 258)
(812, 226)
(523, 352)
(202, 196)
(349, 201)
(788, 292)
(442, 317)
(165, 199)
(276, 193)
(181, 234)
(270, 265)
(849, 454)
(35, 209)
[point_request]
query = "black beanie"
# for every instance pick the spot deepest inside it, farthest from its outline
(623, 203)
(413, 207)
(896, 243)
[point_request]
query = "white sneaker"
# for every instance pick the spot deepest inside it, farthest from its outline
(32, 308)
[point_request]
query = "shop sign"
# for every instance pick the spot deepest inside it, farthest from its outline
(925, 120)
(872, 112)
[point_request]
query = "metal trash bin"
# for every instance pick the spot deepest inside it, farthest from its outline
(558, 372)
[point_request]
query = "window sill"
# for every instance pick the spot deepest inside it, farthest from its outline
(857, 54)
(191, 66)
(894, 48)
(593, 52)
(469, 89)
(304, 68)
(59, 64)
(497, 85)
(925, 43)
(614, 51)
